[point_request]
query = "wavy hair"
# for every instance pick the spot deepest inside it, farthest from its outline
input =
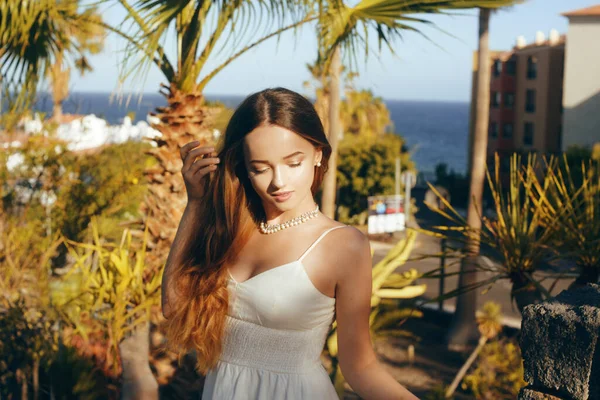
(230, 211)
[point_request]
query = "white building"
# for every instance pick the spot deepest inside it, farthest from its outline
(581, 92)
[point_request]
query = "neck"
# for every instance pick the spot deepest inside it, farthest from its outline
(278, 216)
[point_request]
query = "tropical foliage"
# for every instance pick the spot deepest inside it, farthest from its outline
(88, 38)
(516, 233)
(571, 210)
(111, 284)
(36, 34)
(361, 112)
(347, 27)
(498, 371)
(367, 166)
(63, 189)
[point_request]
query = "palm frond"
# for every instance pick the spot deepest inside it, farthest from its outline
(202, 29)
(33, 34)
(346, 27)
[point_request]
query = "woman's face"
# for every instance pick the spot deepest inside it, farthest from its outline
(279, 160)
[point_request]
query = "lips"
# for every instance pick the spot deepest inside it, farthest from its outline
(282, 195)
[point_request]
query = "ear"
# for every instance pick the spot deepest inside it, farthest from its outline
(318, 156)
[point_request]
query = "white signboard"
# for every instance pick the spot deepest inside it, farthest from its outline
(386, 214)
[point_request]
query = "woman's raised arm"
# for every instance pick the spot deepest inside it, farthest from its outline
(197, 166)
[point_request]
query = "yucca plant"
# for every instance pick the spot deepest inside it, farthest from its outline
(519, 232)
(572, 211)
(387, 284)
(115, 287)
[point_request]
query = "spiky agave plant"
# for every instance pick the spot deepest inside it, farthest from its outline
(572, 212)
(519, 232)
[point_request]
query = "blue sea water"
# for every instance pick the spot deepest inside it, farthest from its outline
(435, 132)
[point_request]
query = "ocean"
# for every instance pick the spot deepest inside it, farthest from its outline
(435, 132)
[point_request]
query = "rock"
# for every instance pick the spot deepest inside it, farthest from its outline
(559, 342)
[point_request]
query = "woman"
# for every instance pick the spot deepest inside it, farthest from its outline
(256, 273)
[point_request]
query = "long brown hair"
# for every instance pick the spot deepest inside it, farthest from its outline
(231, 209)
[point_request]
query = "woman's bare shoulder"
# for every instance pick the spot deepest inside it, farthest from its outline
(349, 241)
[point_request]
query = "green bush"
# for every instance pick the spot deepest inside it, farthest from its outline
(108, 184)
(366, 167)
(26, 342)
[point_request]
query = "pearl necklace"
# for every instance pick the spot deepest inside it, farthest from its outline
(268, 229)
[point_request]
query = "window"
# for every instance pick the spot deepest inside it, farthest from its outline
(509, 100)
(497, 68)
(495, 99)
(530, 101)
(507, 130)
(511, 67)
(493, 130)
(531, 67)
(528, 134)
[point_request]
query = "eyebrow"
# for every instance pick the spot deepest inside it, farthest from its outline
(285, 158)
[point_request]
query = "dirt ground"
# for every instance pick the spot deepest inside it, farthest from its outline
(434, 365)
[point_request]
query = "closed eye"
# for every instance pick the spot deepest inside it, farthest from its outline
(264, 170)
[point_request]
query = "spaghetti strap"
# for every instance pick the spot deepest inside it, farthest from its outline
(319, 239)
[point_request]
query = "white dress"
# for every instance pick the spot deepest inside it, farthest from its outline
(275, 332)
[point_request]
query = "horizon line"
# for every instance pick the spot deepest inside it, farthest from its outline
(245, 95)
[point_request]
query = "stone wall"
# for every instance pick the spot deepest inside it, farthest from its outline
(560, 346)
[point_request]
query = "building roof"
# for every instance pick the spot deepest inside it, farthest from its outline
(562, 39)
(584, 12)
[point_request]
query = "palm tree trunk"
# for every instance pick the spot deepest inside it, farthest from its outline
(463, 331)
(21, 377)
(184, 119)
(57, 111)
(59, 81)
(36, 378)
(329, 182)
(138, 381)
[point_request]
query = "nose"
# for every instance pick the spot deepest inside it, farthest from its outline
(278, 179)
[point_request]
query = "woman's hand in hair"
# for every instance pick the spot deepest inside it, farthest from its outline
(198, 162)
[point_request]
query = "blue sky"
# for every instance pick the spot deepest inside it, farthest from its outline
(438, 69)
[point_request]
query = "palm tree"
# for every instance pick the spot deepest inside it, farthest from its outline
(335, 128)
(344, 29)
(33, 35)
(198, 27)
(462, 330)
(361, 112)
(88, 37)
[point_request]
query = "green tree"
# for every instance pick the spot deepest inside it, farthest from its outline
(463, 330)
(367, 166)
(344, 29)
(87, 37)
(33, 35)
(200, 30)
